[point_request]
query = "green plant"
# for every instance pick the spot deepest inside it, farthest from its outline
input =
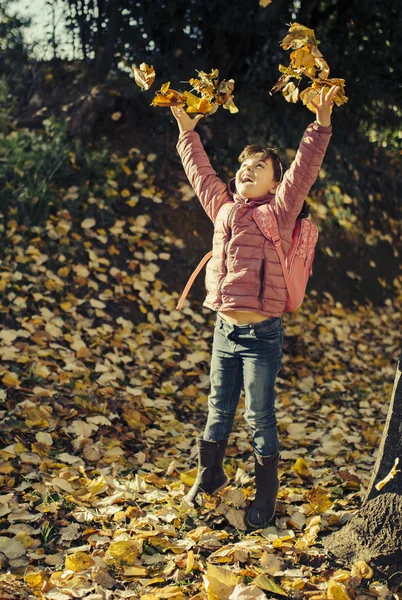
(31, 163)
(47, 533)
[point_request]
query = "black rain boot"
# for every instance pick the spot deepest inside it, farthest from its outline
(211, 477)
(262, 509)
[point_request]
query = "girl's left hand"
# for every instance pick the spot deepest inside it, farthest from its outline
(323, 109)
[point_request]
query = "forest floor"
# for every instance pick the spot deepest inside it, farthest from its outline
(104, 392)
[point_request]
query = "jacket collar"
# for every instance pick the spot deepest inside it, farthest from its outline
(252, 202)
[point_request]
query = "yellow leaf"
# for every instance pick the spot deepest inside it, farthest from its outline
(301, 468)
(189, 476)
(302, 57)
(265, 3)
(190, 562)
(125, 551)
(196, 104)
(362, 570)
(319, 500)
(388, 477)
(35, 580)
(65, 305)
(265, 583)
(116, 116)
(230, 105)
(167, 97)
(125, 193)
(124, 166)
(78, 561)
(136, 571)
(11, 380)
(337, 591)
(220, 581)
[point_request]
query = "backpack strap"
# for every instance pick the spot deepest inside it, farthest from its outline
(265, 218)
(278, 247)
(191, 280)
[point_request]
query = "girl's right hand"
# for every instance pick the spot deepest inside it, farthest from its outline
(184, 121)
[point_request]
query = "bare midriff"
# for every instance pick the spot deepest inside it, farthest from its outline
(240, 317)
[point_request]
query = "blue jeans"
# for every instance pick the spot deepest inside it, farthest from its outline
(250, 355)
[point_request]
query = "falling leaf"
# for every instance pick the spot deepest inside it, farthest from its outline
(306, 60)
(291, 92)
(144, 76)
(116, 116)
(265, 3)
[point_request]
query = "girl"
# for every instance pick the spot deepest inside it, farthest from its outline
(245, 285)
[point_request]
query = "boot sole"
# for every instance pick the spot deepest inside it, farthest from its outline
(252, 526)
(219, 489)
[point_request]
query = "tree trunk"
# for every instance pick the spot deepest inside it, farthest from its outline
(374, 534)
(105, 60)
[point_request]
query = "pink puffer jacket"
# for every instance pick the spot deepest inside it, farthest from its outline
(244, 272)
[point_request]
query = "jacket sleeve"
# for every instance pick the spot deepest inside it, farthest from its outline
(211, 191)
(301, 174)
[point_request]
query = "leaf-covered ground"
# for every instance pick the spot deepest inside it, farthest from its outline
(100, 413)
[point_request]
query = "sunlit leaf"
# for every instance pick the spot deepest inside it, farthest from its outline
(144, 76)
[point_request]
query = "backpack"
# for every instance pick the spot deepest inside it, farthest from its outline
(296, 266)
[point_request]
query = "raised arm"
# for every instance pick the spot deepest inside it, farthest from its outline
(305, 167)
(301, 175)
(210, 189)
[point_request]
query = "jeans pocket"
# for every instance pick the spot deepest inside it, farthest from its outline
(269, 330)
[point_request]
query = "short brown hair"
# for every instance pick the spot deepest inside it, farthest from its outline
(268, 153)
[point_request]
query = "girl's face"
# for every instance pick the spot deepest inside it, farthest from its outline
(255, 177)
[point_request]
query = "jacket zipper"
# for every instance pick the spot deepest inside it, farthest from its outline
(231, 214)
(294, 253)
(262, 279)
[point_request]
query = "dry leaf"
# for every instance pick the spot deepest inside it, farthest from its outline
(78, 561)
(391, 475)
(144, 76)
(265, 583)
(337, 591)
(247, 592)
(220, 581)
(306, 60)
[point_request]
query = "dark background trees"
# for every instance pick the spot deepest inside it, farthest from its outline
(359, 40)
